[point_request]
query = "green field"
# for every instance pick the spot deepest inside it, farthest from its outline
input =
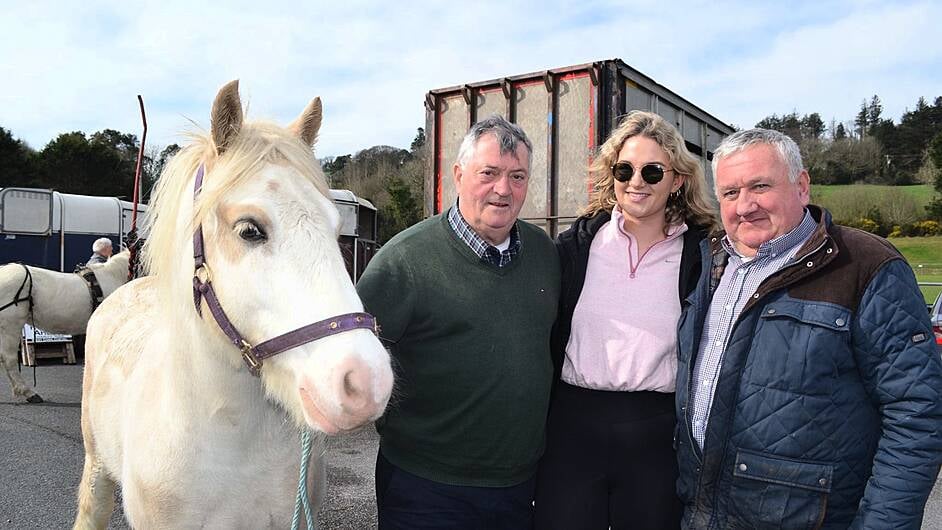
(922, 193)
(924, 254)
(897, 204)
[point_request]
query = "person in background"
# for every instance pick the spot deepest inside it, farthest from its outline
(809, 391)
(627, 264)
(466, 301)
(101, 251)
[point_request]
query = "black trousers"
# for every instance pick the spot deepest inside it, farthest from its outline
(609, 462)
(408, 502)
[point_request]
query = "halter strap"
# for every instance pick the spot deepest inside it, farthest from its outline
(253, 355)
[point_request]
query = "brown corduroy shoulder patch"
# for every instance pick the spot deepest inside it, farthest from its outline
(843, 280)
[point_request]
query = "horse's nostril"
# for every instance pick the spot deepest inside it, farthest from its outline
(356, 393)
(350, 386)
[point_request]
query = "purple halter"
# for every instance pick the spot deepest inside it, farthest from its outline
(253, 355)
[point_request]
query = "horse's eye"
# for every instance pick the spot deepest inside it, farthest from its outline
(250, 232)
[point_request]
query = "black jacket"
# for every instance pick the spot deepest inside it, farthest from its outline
(573, 248)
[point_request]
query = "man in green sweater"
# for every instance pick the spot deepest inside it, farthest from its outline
(465, 301)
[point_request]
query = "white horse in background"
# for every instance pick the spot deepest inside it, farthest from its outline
(61, 303)
(169, 410)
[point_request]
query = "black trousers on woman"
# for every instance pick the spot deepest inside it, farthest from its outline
(609, 462)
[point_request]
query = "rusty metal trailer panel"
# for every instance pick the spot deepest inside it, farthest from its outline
(567, 113)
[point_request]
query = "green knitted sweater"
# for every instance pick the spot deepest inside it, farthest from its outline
(470, 348)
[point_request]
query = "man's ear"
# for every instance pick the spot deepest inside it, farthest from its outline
(804, 187)
(458, 174)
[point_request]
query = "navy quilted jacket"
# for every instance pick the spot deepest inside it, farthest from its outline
(828, 406)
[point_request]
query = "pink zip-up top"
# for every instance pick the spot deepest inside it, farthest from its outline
(624, 327)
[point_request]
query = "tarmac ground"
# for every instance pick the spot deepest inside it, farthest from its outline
(41, 462)
(41, 457)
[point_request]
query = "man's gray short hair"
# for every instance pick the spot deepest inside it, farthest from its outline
(509, 136)
(101, 244)
(740, 140)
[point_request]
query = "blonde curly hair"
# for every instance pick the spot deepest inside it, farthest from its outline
(691, 205)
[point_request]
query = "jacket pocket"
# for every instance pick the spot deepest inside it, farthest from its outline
(775, 492)
(800, 347)
(833, 317)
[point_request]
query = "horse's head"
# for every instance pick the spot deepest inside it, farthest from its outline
(270, 246)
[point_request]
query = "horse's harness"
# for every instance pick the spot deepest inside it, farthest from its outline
(91, 281)
(17, 298)
(85, 273)
(253, 355)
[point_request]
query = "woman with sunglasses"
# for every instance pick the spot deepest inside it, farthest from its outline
(627, 264)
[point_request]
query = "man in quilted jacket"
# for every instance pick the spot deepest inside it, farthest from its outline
(808, 392)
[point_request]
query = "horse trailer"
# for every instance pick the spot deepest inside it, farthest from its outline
(55, 230)
(358, 231)
(567, 113)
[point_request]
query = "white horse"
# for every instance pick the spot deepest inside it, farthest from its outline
(169, 410)
(61, 303)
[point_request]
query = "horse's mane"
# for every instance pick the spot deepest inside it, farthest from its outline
(256, 144)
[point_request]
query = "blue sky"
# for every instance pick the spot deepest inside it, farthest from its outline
(78, 66)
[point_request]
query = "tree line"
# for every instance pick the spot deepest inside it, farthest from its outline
(393, 179)
(873, 149)
(102, 163)
(869, 149)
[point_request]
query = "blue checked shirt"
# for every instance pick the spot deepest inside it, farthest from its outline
(487, 252)
(738, 283)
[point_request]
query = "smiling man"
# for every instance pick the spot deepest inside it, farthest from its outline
(466, 301)
(808, 390)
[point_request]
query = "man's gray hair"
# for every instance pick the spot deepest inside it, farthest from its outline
(101, 244)
(740, 140)
(509, 136)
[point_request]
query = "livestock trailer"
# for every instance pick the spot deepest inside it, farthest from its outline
(358, 230)
(567, 113)
(56, 230)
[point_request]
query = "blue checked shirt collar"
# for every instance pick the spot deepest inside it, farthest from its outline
(487, 252)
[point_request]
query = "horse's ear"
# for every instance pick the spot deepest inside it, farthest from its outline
(309, 122)
(227, 116)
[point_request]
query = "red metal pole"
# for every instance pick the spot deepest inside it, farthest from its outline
(137, 171)
(133, 240)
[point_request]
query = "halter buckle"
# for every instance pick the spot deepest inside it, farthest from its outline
(207, 275)
(248, 355)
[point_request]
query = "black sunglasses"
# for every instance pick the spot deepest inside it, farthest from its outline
(651, 173)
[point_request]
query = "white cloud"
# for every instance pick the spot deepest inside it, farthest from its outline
(79, 68)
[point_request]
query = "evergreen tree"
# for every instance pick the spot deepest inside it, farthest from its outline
(861, 120)
(935, 154)
(17, 162)
(840, 133)
(874, 110)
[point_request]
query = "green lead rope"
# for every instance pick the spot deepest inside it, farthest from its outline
(303, 501)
